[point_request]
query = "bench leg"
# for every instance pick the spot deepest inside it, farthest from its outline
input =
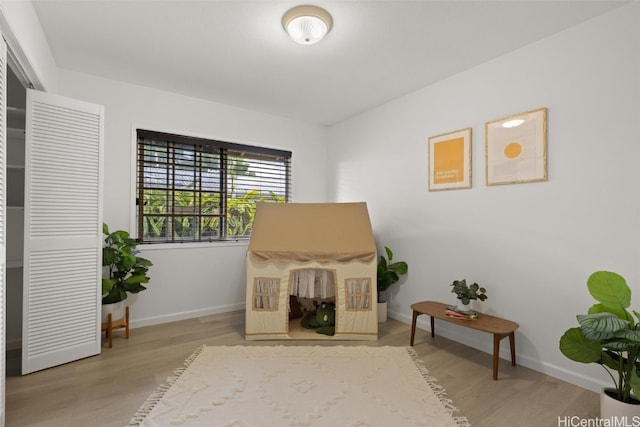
(413, 325)
(496, 354)
(496, 351)
(433, 327)
(512, 344)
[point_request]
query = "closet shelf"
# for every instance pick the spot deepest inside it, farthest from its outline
(15, 110)
(15, 115)
(15, 132)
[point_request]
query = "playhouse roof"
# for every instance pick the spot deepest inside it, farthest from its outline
(303, 232)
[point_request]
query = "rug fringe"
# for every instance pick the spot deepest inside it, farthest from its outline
(157, 395)
(438, 390)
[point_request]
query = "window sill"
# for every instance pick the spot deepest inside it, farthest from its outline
(191, 245)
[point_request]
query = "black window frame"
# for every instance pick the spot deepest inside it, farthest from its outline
(165, 162)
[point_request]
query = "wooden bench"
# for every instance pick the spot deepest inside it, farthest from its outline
(500, 328)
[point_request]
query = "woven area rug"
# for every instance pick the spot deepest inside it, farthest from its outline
(283, 386)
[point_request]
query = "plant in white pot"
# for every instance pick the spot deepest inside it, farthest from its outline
(125, 271)
(609, 336)
(466, 293)
(388, 273)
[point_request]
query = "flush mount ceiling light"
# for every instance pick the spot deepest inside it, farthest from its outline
(307, 24)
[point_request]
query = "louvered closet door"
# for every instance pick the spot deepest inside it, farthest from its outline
(3, 210)
(63, 231)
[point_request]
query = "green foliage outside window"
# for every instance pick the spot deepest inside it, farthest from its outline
(241, 213)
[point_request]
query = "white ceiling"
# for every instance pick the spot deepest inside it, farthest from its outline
(235, 51)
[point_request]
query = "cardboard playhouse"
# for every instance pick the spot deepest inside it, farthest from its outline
(303, 255)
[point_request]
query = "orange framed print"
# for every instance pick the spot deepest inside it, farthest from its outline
(450, 160)
(516, 148)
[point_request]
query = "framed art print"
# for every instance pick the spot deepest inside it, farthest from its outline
(516, 148)
(450, 160)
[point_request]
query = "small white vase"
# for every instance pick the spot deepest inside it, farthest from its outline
(618, 412)
(382, 312)
(116, 310)
(463, 307)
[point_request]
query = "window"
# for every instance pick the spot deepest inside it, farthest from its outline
(358, 294)
(194, 189)
(266, 293)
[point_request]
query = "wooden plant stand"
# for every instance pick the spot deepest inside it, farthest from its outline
(111, 324)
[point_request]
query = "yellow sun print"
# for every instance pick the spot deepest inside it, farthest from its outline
(512, 150)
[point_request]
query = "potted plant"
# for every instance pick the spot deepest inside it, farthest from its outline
(609, 336)
(388, 273)
(466, 293)
(125, 271)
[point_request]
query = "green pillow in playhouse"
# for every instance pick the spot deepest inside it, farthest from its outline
(322, 319)
(326, 314)
(326, 330)
(326, 318)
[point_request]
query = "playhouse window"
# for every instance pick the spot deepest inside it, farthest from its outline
(358, 294)
(266, 292)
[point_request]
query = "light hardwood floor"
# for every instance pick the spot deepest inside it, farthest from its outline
(106, 390)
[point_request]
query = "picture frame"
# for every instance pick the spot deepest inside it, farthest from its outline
(516, 148)
(450, 160)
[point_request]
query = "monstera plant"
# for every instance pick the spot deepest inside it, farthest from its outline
(608, 335)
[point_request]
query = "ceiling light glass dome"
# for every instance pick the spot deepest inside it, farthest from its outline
(307, 24)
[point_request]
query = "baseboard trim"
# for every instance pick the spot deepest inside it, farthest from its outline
(173, 317)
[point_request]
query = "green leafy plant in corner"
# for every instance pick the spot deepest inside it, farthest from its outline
(608, 335)
(389, 272)
(127, 270)
(466, 293)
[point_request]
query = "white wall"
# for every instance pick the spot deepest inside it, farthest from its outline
(532, 245)
(27, 42)
(189, 279)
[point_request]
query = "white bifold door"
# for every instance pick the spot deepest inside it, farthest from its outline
(63, 231)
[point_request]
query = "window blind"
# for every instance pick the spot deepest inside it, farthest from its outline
(194, 189)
